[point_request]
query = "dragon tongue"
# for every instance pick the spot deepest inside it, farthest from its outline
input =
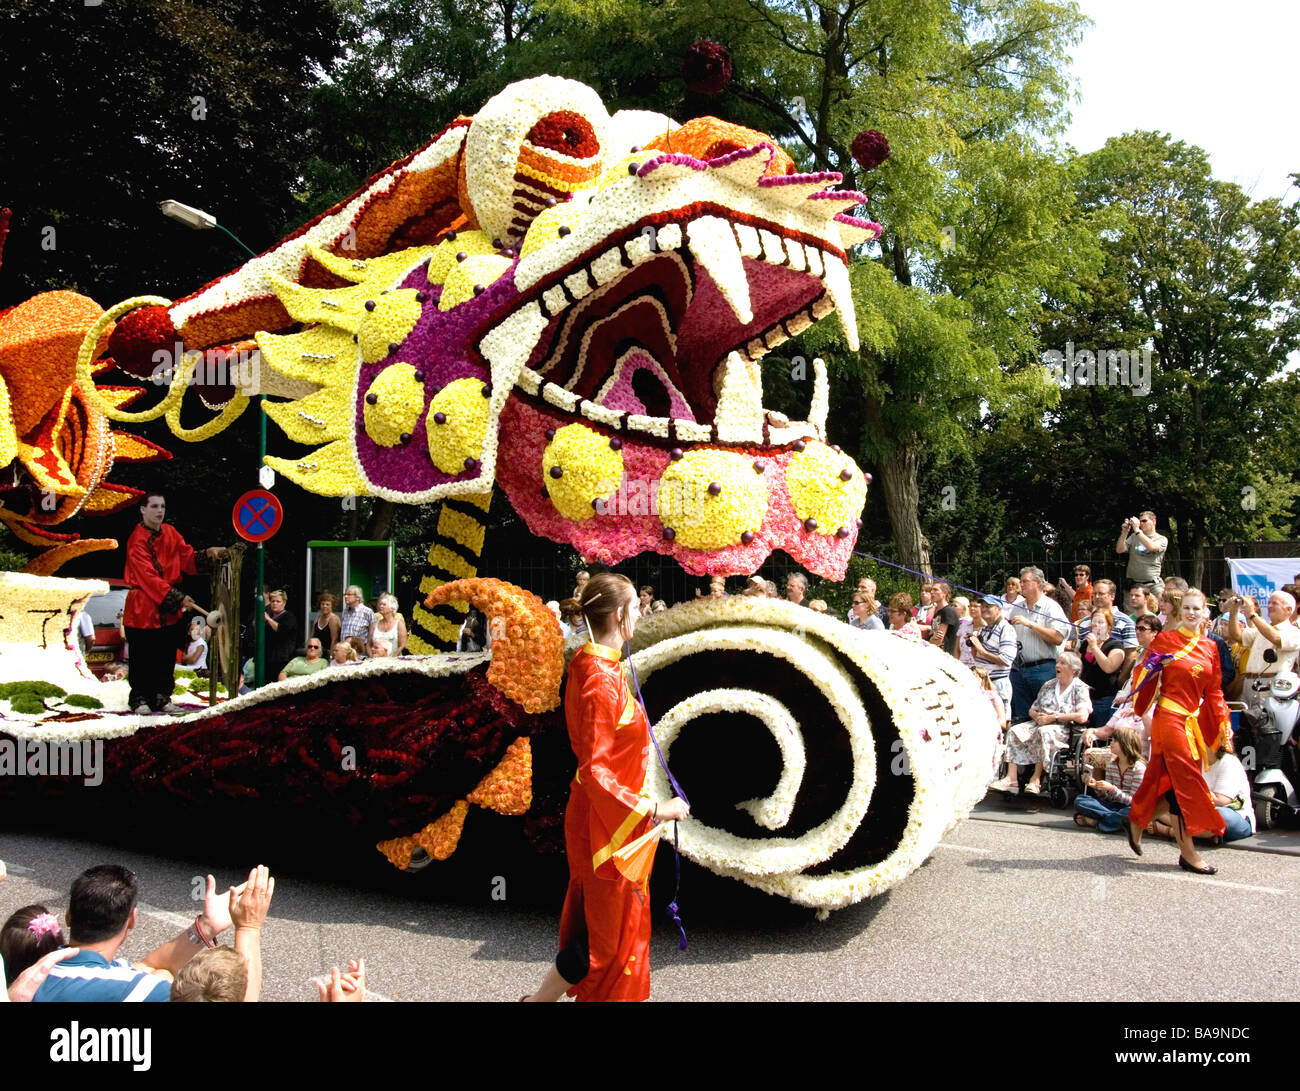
(713, 245)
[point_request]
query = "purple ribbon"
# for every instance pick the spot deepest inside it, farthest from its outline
(673, 909)
(1153, 664)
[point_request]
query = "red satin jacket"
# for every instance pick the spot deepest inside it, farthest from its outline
(154, 564)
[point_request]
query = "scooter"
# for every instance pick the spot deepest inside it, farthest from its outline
(1267, 746)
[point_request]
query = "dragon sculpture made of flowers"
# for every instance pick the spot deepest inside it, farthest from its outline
(572, 306)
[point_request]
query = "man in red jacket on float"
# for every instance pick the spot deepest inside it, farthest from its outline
(156, 556)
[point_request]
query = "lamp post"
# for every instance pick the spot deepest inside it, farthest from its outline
(199, 220)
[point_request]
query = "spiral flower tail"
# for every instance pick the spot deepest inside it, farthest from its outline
(890, 748)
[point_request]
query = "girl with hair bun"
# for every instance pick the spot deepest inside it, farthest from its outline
(605, 923)
(29, 934)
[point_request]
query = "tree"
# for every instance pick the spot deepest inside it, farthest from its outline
(980, 219)
(408, 68)
(114, 107)
(1209, 282)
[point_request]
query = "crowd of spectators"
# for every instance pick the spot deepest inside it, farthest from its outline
(42, 964)
(335, 639)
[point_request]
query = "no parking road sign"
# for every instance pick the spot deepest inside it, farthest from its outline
(257, 515)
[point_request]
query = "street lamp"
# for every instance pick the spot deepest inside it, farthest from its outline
(199, 220)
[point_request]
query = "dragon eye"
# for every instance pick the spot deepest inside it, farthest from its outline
(565, 132)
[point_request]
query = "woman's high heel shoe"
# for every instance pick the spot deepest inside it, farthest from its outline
(1132, 841)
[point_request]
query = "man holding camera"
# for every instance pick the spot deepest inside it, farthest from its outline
(1277, 635)
(1146, 550)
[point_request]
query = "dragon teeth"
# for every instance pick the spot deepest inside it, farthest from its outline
(608, 266)
(747, 236)
(507, 346)
(714, 247)
(841, 293)
(821, 399)
(670, 237)
(773, 249)
(739, 416)
(578, 284)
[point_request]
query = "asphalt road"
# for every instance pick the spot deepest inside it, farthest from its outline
(1012, 906)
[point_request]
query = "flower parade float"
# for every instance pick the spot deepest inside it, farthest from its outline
(570, 306)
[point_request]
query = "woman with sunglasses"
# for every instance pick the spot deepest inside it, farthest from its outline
(1122, 714)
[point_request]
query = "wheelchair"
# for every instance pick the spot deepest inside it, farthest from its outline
(1063, 777)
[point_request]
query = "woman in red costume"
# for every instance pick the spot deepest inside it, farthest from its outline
(605, 923)
(1189, 718)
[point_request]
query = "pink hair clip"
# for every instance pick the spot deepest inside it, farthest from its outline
(44, 924)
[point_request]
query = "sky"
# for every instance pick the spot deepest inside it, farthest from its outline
(1219, 75)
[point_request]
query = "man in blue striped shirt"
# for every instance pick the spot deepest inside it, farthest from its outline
(101, 913)
(995, 646)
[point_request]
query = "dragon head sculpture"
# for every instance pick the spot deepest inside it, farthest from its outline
(575, 306)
